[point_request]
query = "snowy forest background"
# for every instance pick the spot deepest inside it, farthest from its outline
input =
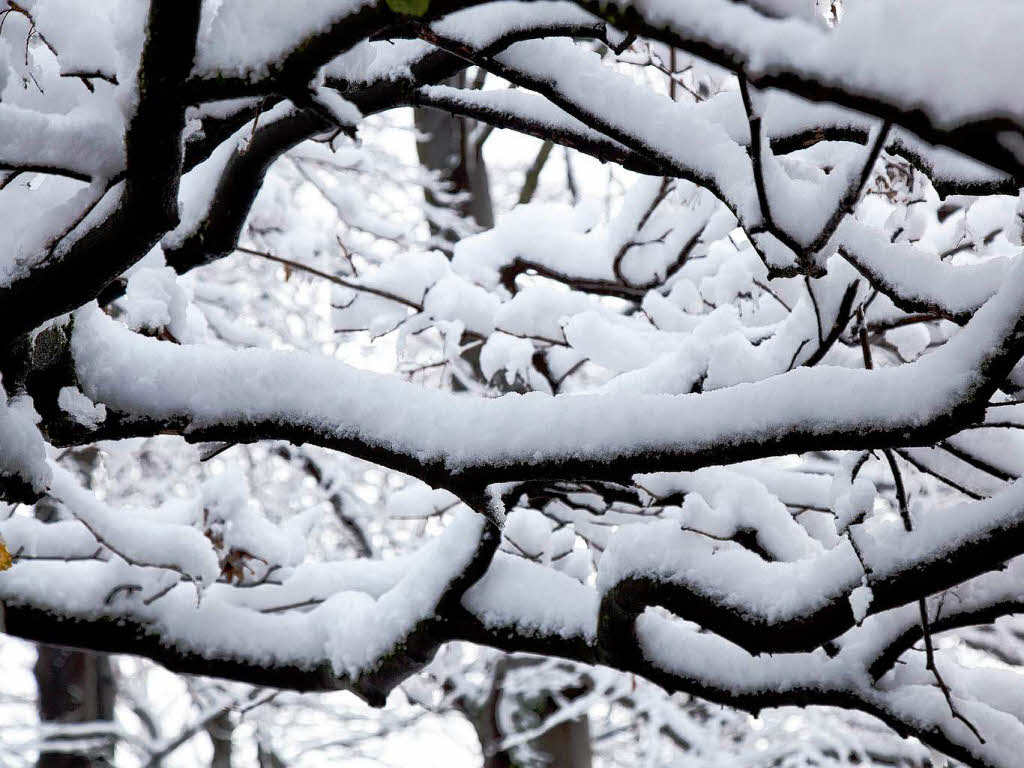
(550, 207)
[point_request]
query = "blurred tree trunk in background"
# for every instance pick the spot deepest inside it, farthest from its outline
(453, 147)
(220, 730)
(74, 686)
(565, 745)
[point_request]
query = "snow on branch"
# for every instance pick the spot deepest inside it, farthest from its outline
(450, 441)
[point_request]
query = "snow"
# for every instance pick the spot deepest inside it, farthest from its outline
(419, 501)
(236, 528)
(786, 115)
(910, 340)
(860, 601)
(85, 38)
(507, 354)
(851, 501)
(249, 39)
(794, 488)
(142, 543)
(453, 298)
(482, 26)
(515, 103)
(720, 666)
(529, 531)
(79, 142)
(802, 198)
(377, 60)
(33, 231)
(532, 599)
(540, 310)
(771, 592)
(28, 537)
(578, 565)
(923, 56)
(198, 187)
(671, 132)
(567, 244)
(22, 451)
(733, 577)
(352, 629)
(154, 300)
(360, 630)
(656, 290)
(723, 503)
(80, 408)
(619, 343)
(925, 703)
(214, 629)
(344, 112)
(916, 276)
(890, 550)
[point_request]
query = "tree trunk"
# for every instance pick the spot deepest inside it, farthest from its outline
(566, 745)
(448, 147)
(74, 686)
(220, 731)
(265, 754)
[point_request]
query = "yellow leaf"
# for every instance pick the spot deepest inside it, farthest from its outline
(5, 557)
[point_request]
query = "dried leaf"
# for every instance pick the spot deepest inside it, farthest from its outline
(6, 561)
